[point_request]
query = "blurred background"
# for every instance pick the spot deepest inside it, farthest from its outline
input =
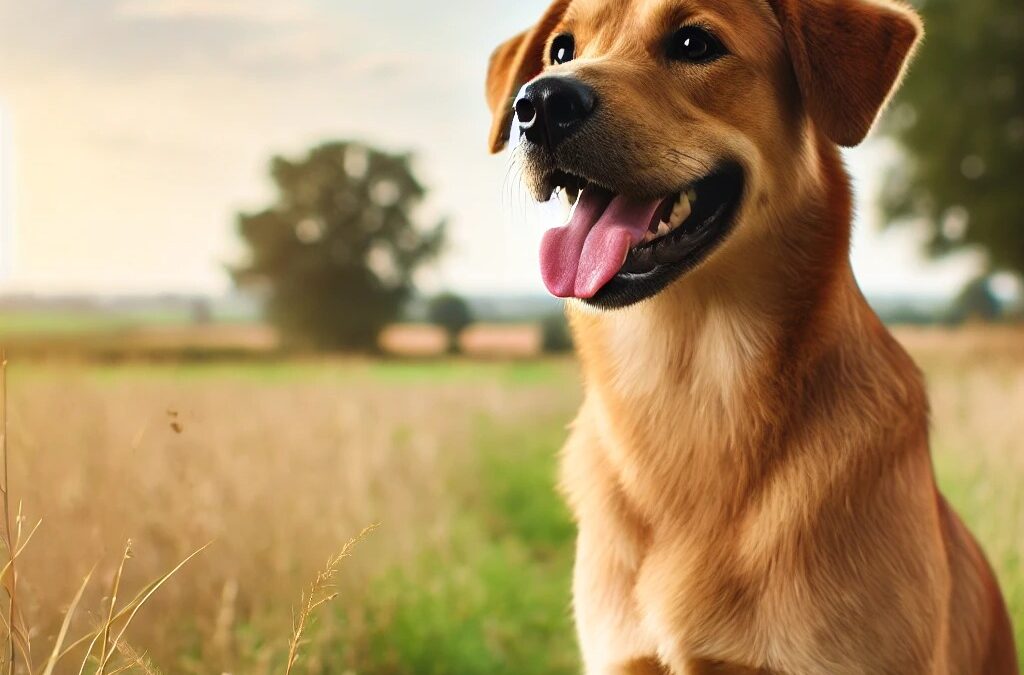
(262, 285)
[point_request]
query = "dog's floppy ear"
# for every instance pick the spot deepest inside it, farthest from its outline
(848, 56)
(514, 63)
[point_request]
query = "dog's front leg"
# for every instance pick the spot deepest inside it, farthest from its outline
(612, 639)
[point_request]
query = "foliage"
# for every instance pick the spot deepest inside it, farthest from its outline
(451, 313)
(555, 335)
(960, 120)
(337, 250)
(976, 302)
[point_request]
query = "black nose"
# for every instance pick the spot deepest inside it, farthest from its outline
(551, 108)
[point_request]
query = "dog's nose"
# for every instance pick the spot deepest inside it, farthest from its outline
(551, 108)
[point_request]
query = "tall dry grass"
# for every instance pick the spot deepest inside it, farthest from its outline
(107, 636)
(975, 382)
(275, 468)
(278, 465)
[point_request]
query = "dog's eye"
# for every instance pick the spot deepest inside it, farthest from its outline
(563, 48)
(694, 45)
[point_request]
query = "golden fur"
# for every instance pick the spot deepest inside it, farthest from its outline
(750, 468)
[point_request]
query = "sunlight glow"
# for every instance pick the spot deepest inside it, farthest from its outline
(6, 198)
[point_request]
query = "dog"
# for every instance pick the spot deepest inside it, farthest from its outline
(749, 468)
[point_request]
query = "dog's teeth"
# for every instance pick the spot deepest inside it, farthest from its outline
(691, 195)
(570, 210)
(681, 211)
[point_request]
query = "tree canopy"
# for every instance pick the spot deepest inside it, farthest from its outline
(336, 252)
(960, 119)
(451, 313)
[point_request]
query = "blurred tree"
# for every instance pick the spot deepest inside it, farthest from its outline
(201, 312)
(555, 334)
(976, 302)
(451, 313)
(337, 250)
(960, 119)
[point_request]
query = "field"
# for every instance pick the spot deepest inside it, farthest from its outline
(279, 464)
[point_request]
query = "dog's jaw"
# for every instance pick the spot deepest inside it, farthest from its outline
(618, 250)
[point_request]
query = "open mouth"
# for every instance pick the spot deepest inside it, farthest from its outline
(616, 250)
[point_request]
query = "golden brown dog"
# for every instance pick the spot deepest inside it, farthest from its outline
(750, 467)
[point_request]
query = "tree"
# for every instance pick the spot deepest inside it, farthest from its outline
(960, 121)
(451, 313)
(337, 250)
(555, 334)
(976, 302)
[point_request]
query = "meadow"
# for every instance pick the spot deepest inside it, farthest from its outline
(278, 464)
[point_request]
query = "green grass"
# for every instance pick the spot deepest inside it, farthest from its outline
(499, 601)
(496, 601)
(341, 370)
(514, 372)
(991, 504)
(491, 594)
(54, 323)
(475, 578)
(69, 322)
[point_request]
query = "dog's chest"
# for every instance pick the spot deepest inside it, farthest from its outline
(701, 598)
(701, 581)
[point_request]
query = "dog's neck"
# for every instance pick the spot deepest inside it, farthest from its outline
(766, 287)
(723, 355)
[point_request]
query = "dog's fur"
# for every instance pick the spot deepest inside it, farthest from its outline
(750, 468)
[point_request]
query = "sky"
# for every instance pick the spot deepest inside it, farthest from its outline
(132, 131)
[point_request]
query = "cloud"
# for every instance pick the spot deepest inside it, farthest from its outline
(386, 64)
(265, 38)
(252, 11)
(302, 46)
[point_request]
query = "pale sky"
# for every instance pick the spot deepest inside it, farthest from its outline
(131, 131)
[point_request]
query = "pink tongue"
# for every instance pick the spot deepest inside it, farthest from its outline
(577, 259)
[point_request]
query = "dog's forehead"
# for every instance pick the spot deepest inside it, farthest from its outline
(611, 16)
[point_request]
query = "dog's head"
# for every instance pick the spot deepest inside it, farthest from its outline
(670, 123)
